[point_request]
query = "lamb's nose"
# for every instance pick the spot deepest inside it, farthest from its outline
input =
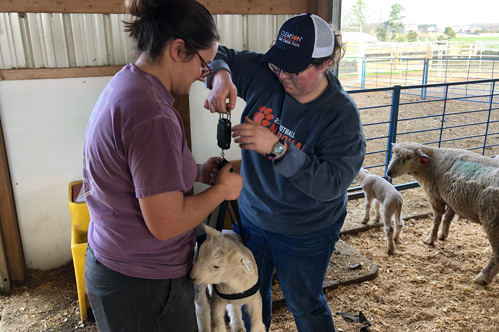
(389, 174)
(193, 279)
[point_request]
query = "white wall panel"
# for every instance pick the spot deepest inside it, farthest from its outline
(44, 136)
(77, 40)
(35, 35)
(77, 27)
(6, 47)
(59, 40)
(46, 36)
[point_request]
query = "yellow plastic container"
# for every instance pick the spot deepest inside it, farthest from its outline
(80, 219)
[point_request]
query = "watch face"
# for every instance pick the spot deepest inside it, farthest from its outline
(278, 149)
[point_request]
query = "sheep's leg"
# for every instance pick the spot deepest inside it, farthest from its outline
(387, 220)
(488, 272)
(203, 311)
(377, 208)
(438, 211)
(236, 318)
(255, 312)
(368, 200)
(399, 224)
(444, 231)
(218, 315)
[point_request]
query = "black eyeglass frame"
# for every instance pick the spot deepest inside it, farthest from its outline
(276, 70)
(207, 71)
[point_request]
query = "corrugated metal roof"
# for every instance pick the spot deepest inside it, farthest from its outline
(40, 40)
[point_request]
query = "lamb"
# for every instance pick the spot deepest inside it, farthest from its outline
(455, 181)
(383, 193)
(226, 270)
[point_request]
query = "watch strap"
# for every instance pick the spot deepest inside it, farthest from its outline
(281, 143)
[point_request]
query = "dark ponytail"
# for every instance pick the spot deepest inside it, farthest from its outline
(155, 23)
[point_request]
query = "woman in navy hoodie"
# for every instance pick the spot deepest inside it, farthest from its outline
(302, 146)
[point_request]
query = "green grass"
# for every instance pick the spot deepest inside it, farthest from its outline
(473, 38)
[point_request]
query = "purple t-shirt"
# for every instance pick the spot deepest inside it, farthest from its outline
(135, 147)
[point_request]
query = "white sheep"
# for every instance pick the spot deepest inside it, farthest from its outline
(455, 181)
(383, 193)
(224, 266)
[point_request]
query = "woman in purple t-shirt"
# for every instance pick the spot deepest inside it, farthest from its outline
(138, 173)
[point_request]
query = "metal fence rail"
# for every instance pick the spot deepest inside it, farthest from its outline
(450, 120)
(368, 73)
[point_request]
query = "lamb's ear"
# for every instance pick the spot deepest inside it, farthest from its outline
(210, 231)
(394, 145)
(240, 258)
(423, 158)
(247, 264)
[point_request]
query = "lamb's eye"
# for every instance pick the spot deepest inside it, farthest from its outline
(216, 266)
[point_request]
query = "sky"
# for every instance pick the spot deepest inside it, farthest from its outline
(440, 12)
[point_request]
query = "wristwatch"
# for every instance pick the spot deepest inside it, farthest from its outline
(277, 149)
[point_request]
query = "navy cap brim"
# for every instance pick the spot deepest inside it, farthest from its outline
(287, 61)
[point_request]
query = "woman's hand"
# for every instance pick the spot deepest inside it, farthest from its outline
(232, 182)
(236, 167)
(222, 89)
(204, 170)
(253, 136)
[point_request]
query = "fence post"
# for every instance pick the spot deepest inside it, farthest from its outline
(363, 79)
(492, 89)
(392, 130)
(424, 79)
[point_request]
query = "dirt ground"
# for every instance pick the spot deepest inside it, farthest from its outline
(420, 288)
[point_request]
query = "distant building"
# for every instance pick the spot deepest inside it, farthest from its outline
(431, 29)
(472, 30)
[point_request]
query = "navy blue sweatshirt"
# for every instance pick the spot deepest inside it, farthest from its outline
(306, 189)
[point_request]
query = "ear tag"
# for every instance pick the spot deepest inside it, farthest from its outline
(422, 160)
(247, 264)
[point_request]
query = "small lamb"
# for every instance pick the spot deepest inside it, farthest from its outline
(455, 181)
(383, 193)
(227, 270)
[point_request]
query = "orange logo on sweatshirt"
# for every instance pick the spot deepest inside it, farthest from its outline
(263, 116)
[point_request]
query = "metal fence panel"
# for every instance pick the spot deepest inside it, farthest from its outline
(470, 122)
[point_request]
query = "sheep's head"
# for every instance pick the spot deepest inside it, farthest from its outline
(406, 158)
(219, 259)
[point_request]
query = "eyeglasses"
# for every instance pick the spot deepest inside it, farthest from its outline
(206, 69)
(292, 76)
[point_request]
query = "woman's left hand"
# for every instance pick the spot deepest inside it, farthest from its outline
(205, 170)
(253, 136)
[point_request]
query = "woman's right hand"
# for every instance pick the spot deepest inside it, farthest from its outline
(222, 89)
(232, 182)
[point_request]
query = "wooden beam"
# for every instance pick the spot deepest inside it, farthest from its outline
(8, 221)
(117, 6)
(50, 73)
(181, 104)
(321, 8)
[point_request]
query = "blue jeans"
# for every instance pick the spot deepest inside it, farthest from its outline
(301, 262)
(123, 303)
